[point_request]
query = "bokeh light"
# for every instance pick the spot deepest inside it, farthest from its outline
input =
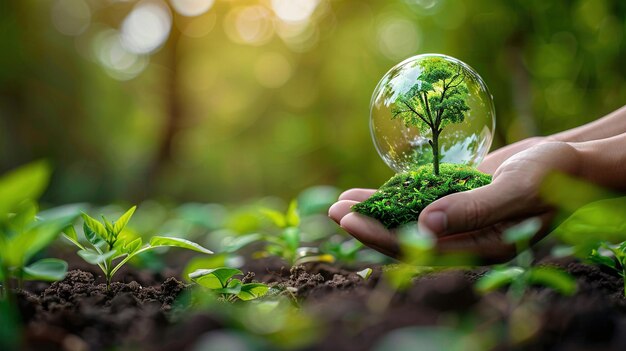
(226, 100)
(71, 17)
(147, 27)
(249, 25)
(192, 7)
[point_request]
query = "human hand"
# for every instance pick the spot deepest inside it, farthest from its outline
(472, 222)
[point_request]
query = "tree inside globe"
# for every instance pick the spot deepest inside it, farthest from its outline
(432, 120)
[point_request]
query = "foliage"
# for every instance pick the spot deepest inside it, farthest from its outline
(343, 251)
(107, 243)
(221, 281)
(286, 244)
(22, 234)
(522, 274)
(402, 198)
(595, 229)
(612, 256)
(436, 100)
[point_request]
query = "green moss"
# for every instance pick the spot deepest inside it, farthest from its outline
(401, 199)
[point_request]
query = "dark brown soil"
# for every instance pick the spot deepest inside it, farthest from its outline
(79, 314)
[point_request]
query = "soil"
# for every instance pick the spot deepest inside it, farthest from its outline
(78, 313)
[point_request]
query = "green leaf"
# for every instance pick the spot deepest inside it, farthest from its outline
(121, 223)
(522, 232)
(95, 258)
(292, 218)
(204, 262)
(291, 236)
(109, 228)
(214, 278)
(47, 269)
(96, 227)
(554, 278)
(595, 222)
(132, 246)
(157, 241)
(70, 233)
(235, 243)
(93, 237)
(597, 258)
(498, 278)
(38, 236)
(252, 291)
(25, 183)
(25, 215)
(276, 217)
(233, 287)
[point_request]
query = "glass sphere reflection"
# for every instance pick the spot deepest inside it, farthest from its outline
(431, 106)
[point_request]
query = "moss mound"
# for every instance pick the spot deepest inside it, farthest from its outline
(401, 199)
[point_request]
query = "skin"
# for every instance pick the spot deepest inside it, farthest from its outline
(472, 222)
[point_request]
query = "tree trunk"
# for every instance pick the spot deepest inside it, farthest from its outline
(435, 146)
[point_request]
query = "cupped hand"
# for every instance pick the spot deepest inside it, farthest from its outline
(472, 222)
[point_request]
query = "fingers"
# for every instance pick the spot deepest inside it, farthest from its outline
(371, 233)
(479, 208)
(339, 209)
(357, 194)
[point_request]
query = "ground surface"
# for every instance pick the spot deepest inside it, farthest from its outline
(354, 314)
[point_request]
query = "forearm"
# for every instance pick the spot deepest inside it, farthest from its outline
(605, 127)
(608, 126)
(603, 161)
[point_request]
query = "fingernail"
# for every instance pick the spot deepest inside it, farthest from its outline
(436, 221)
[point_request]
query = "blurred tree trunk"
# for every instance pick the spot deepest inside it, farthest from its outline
(173, 122)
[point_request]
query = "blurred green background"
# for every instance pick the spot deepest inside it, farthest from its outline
(224, 100)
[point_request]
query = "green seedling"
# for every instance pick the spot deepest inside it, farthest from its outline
(345, 251)
(22, 235)
(222, 281)
(286, 244)
(110, 250)
(612, 256)
(520, 273)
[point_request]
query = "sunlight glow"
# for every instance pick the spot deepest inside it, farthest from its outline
(294, 10)
(192, 8)
(71, 17)
(249, 25)
(147, 27)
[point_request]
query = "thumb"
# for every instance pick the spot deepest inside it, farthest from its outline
(479, 208)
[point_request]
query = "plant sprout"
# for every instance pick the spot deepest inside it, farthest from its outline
(521, 274)
(107, 245)
(286, 244)
(612, 256)
(22, 234)
(221, 281)
(21, 237)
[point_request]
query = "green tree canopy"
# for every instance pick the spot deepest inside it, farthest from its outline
(437, 99)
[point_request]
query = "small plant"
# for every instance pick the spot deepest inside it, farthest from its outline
(107, 245)
(612, 256)
(521, 274)
(221, 281)
(286, 244)
(343, 251)
(22, 235)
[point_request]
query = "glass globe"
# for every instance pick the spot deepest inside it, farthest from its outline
(431, 107)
